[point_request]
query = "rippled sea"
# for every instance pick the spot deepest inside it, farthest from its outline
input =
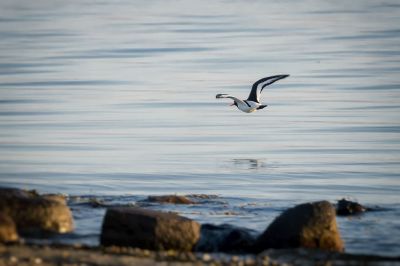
(116, 100)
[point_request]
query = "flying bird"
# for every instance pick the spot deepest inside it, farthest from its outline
(253, 101)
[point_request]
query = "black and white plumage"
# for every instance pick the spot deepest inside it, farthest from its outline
(253, 101)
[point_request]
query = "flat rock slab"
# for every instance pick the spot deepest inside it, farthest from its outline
(309, 225)
(172, 199)
(149, 229)
(33, 213)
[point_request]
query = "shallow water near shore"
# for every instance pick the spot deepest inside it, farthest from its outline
(116, 101)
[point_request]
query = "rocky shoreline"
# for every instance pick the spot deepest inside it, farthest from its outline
(304, 234)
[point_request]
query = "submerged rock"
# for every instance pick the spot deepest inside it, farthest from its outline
(346, 207)
(33, 213)
(90, 201)
(202, 196)
(148, 229)
(8, 230)
(173, 199)
(309, 225)
(180, 199)
(224, 238)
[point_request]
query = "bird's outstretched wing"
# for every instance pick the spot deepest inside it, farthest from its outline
(237, 100)
(259, 85)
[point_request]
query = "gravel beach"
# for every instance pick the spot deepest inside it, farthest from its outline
(79, 256)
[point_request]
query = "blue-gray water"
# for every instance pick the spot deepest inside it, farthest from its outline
(116, 99)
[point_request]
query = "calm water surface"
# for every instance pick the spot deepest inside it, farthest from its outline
(117, 100)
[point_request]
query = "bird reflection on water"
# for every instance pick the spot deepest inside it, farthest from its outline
(250, 164)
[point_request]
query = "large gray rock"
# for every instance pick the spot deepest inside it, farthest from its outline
(148, 229)
(8, 230)
(309, 225)
(33, 213)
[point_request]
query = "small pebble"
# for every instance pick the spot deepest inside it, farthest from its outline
(37, 261)
(13, 259)
(146, 253)
(206, 257)
(265, 261)
(235, 258)
(249, 261)
(171, 253)
(65, 254)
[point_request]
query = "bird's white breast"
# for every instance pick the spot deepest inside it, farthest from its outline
(248, 106)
